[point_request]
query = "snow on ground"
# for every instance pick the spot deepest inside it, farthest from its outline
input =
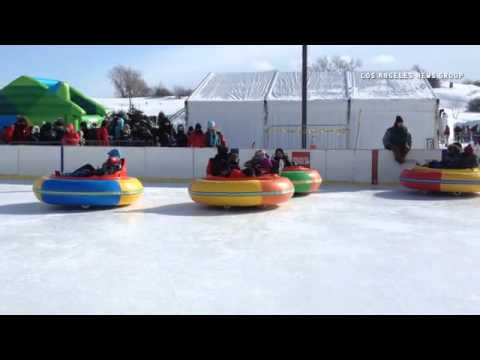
(150, 106)
(455, 102)
(344, 250)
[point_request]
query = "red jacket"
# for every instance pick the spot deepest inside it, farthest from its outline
(196, 140)
(7, 135)
(102, 136)
(71, 137)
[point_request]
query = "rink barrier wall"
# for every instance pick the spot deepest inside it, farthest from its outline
(184, 164)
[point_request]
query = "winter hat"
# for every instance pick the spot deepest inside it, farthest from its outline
(398, 120)
(114, 153)
(222, 149)
(211, 125)
(260, 153)
(458, 146)
(198, 127)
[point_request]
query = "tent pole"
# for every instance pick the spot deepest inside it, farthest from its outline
(304, 96)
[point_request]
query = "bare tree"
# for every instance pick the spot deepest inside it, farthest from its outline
(337, 64)
(161, 91)
(457, 107)
(435, 83)
(128, 82)
(180, 91)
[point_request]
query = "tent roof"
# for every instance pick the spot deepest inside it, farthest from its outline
(274, 85)
(408, 87)
(234, 87)
(321, 86)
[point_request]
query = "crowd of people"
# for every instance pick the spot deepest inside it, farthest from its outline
(464, 134)
(455, 157)
(117, 129)
(227, 163)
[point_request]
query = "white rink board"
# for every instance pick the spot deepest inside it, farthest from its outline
(169, 163)
(38, 160)
(187, 163)
(8, 160)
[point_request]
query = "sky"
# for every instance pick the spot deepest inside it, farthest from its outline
(86, 67)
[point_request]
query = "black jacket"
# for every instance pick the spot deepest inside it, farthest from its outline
(220, 165)
(396, 136)
(181, 139)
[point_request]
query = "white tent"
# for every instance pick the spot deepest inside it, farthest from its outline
(327, 110)
(376, 102)
(345, 110)
(236, 102)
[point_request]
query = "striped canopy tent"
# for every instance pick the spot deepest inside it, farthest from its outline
(46, 100)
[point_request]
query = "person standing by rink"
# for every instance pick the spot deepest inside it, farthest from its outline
(398, 140)
(196, 138)
(457, 133)
(213, 137)
(446, 134)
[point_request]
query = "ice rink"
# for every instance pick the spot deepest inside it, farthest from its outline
(345, 250)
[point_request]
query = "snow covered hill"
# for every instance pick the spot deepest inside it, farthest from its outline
(150, 106)
(455, 102)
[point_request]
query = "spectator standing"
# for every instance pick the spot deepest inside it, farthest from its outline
(166, 134)
(446, 134)
(47, 135)
(59, 129)
(457, 132)
(119, 125)
(213, 137)
(102, 134)
(20, 132)
(7, 134)
(181, 137)
(34, 136)
(71, 137)
(197, 138)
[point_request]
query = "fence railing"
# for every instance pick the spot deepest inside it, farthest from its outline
(322, 137)
(133, 142)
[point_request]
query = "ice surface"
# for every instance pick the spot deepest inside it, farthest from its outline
(345, 250)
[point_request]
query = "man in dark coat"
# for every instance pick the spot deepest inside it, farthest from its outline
(181, 137)
(398, 140)
(166, 134)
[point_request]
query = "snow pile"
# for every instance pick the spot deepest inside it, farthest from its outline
(150, 106)
(455, 102)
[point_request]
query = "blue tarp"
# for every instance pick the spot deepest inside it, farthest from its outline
(6, 120)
